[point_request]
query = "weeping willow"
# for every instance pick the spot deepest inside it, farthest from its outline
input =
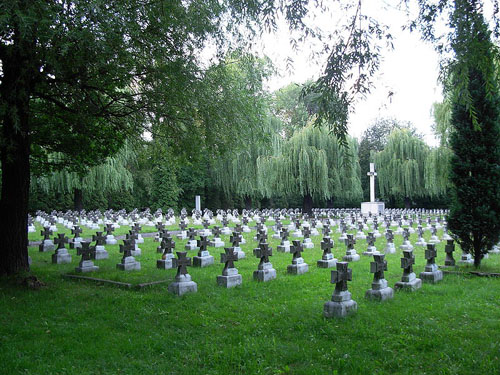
(237, 172)
(311, 163)
(400, 166)
(436, 172)
(112, 175)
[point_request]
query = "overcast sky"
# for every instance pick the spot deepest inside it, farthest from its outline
(410, 72)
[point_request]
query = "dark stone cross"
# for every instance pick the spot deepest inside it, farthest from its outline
(433, 229)
(449, 249)
(191, 233)
(407, 261)
(164, 234)
(205, 223)
(160, 226)
(306, 232)
(86, 251)
(127, 247)
(238, 228)
(378, 266)
(406, 234)
(76, 231)
(360, 227)
(326, 230)
(341, 276)
(228, 258)
(181, 262)
(375, 225)
(262, 237)
(430, 253)
(224, 221)
(60, 240)
(263, 252)
(136, 228)
(46, 232)
(168, 245)
(216, 231)
(350, 241)
(296, 249)
(202, 243)
(99, 238)
(109, 229)
(389, 236)
(420, 231)
(245, 220)
(131, 236)
(235, 239)
(182, 226)
(327, 245)
(370, 239)
(284, 235)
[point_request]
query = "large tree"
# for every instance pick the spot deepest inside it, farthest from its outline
(401, 166)
(474, 217)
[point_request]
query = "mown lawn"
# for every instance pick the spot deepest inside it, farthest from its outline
(81, 327)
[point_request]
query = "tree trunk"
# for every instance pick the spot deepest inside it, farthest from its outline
(307, 204)
(248, 202)
(78, 199)
(407, 202)
(14, 155)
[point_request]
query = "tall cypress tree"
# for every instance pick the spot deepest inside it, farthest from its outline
(475, 171)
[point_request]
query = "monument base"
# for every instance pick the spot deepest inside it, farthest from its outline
(374, 207)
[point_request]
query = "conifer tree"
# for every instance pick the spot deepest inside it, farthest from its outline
(474, 218)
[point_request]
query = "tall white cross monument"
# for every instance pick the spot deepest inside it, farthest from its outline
(372, 207)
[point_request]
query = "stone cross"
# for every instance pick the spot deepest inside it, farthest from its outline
(182, 226)
(160, 226)
(76, 231)
(127, 247)
(86, 251)
(60, 240)
(99, 238)
(406, 234)
(407, 261)
(326, 245)
(306, 232)
(136, 228)
(372, 175)
(181, 262)
(191, 233)
(284, 234)
(430, 253)
(168, 245)
(202, 243)
(449, 249)
(228, 257)
(235, 239)
(350, 241)
(326, 230)
(389, 236)
(378, 266)
(262, 237)
(341, 276)
(216, 231)
(238, 228)
(263, 252)
(46, 232)
(370, 239)
(109, 229)
(296, 249)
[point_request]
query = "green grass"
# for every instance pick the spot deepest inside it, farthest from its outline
(81, 327)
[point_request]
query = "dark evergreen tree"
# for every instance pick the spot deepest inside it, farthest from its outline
(474, 216)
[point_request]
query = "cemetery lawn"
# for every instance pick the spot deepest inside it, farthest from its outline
(83, 327)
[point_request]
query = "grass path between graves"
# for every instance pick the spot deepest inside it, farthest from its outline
(80, 327)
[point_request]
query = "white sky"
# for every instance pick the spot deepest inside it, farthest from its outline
(410, 71)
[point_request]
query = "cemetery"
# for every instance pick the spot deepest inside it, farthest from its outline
(226, 187)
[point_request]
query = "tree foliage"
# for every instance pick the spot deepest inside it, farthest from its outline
(474, 217)
(400, 166)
